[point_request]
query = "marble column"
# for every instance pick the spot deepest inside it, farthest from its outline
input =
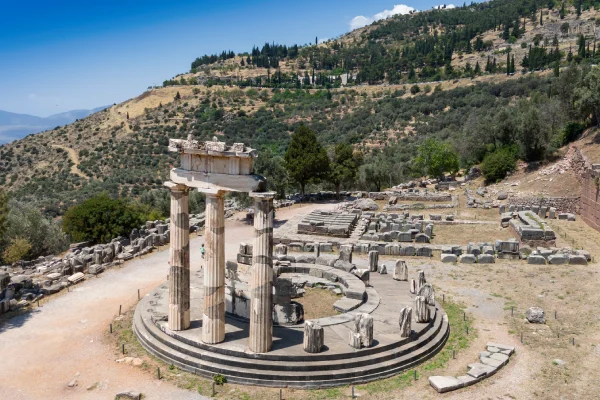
(261, 283)
(179, 259)
(213, 317)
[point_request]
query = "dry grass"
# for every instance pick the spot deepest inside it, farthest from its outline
(318, 303)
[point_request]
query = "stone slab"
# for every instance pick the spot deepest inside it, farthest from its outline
(443, 384)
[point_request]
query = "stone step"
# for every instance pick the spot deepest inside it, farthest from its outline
(300, 379)
(291, 363)
(176, 338)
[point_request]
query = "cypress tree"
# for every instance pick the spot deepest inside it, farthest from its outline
(541, 18)
(508, 64)
(557, 68)
(562, 11)
(477, 68)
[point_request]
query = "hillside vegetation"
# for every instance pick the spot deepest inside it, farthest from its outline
(123, 150)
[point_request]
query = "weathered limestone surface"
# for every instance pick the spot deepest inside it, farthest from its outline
(405, 321)
(313, 337)
(383, 269)
(346, 253)
(422, 313)
(373, 260)
(213, 319)
(261, 283)
(401, 271)
(420, 281)
(535, 315)
(363, 325)
(428, 292)
(179, 260)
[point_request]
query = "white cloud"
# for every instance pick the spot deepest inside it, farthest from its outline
(360, 20)
(323, 40)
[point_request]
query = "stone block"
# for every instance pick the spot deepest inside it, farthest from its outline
(448, 258)
(536, 259)
(486, 259)
(95, 269)
(422, 238)
(326, 260)
(535, 315)
(479, 370)
(76, 278)
(577, 260)
(491, 362)
(467, 259)
(346, 252)
(424, 251)
(443, 384)
(325, 247)
(558, 259)
(343, 265)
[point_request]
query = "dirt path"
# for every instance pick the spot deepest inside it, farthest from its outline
(67, 338)
(74, 158)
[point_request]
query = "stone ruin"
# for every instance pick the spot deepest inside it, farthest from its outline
(397, 228)
(328, 223)
(531, 229)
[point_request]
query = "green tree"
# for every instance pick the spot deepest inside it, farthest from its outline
(17, 250)
(414, 89)
(588, 95)
(376, 171)
(435, 158)
(26, 221)
(272, 167)
(343, 165)
(101, 219)
(305, 159)
(497, 165)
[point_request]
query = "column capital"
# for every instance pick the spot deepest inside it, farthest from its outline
(263, 195)
(176, 187)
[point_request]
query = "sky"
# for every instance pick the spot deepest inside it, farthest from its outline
(57, 55)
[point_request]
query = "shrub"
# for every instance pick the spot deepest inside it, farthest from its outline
(415, 89)
(17, 250)
(220, 379)
(497, 165)
(101, 219)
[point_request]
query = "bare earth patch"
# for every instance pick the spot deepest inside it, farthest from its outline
(318, 303)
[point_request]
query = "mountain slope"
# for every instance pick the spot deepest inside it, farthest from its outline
(122, 150)
(15, 126)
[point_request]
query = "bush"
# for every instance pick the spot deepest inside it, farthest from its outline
(572, 131)
(415, 89)
(101, 219)
(17, 250)
(497, 165)
(220, 379)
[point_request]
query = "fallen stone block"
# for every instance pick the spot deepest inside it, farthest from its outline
(444, 384)
(76, 278)
(449, 258)
(486, 259)
(536, 259)
(577, 260)
(130, 395)
(467, 259)
(557, 259)
(478, 370)
(535, 315)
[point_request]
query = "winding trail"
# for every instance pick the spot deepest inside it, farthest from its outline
(74, 158)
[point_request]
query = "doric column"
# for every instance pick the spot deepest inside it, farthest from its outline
(179, 260)
(261, 283)
(213, 318)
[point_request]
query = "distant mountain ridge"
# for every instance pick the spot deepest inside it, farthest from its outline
(15, 126)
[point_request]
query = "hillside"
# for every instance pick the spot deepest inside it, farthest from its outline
(123, 149)
(16, 126)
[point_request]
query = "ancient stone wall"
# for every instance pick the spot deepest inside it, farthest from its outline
(590, 196)
(562, 204)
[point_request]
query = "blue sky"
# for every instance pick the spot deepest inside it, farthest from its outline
(59, 55)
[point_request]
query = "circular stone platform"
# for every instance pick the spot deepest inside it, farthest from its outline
(288, 365)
